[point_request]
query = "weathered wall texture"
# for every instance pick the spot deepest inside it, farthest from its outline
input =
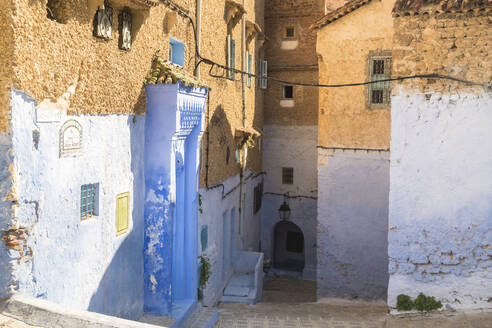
(220, 218)
(290, 146)
(440, 215)
(80, 264)
(6, 48)
(353, 224)
(343, 48)
(5, 210)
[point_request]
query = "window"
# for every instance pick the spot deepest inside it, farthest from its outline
(231, 57)
(289, 32)
(176, 52)
(122, 213)
(258, 194)
(379, 69)
(57, 10)
(288, 175)
(295, 242)
(249, 69)
(288, 92)
(263, 74)
(89, 201)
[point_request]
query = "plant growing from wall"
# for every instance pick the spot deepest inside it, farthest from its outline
(200, 209)
(204, 274)
(421, 303)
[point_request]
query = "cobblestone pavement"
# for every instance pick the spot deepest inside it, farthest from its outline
(289, 302)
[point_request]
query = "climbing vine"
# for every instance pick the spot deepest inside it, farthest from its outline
(204, 274)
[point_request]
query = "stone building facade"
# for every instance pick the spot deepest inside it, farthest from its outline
(353, 152)
(73, 123)
(440, 214)
(290, 136)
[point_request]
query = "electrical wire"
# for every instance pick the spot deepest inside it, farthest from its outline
(212, 63)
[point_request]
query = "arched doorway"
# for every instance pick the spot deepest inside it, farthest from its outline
(288, 249)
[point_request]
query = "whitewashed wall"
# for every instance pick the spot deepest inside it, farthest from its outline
(5, 210)
(217, 202)
(352, 224)
(80, 264)
(440, 215)
(290, 146)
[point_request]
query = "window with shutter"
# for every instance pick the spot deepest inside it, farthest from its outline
(249, 69)
(263, 74)
(379, 94)
(176, 52)
(231, 53)
(122, 213)
(287, 175)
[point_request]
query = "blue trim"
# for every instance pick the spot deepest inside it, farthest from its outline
(176, 52)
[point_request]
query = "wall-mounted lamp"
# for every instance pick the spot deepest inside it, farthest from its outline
(284, 210)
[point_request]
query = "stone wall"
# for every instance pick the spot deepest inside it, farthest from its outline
(345, 119)
(78, 263)
(352, 224)
(441, 178)
(6, 47)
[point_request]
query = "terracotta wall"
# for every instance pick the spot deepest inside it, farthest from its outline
(343, 47)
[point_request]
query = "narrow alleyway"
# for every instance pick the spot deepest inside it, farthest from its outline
(290, 302)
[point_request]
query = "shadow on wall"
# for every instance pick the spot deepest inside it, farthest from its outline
(121, 289)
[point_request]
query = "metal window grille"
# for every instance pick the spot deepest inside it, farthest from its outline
(380, 69)
(290, 32)
(89, 194)
(288, 175)
(263, 74)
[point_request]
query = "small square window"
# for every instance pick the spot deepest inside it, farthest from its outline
(89, 201)
(290, 32)
(288, 92)
(288, 175)
(176, 52)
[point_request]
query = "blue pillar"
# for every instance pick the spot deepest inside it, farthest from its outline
(174, 126)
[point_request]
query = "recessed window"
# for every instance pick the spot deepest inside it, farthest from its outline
(57, 10)
(380, 69)
(122, 212)
(263, 74)
(89, 201)
(258, 194)
(289, 32)
(176, 52)
(288, 92)
(125, 27)
(103, 22)
(287, 175)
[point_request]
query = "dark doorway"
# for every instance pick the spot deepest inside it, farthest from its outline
(288, 247)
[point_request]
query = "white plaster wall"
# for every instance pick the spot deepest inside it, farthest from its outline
(352, 224)
(290, 146)
(215, 203)
(5, 210)
(80, 264)
(440, 214)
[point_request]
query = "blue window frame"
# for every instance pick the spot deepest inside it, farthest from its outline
(231, 54)
(176, 52)
(89, 200)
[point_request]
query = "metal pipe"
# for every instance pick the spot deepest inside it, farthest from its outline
(198, 19)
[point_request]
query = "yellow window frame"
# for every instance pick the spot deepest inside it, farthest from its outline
(122, 213)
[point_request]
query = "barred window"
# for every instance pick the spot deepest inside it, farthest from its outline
(380, 69)
(89, 201)
(258, 194)
(288, 175)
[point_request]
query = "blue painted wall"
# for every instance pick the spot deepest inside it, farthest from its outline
(5, 212)
(173, 130)
(79, 264)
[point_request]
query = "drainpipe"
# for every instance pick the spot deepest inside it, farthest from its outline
(243, 91)
(198, 20)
